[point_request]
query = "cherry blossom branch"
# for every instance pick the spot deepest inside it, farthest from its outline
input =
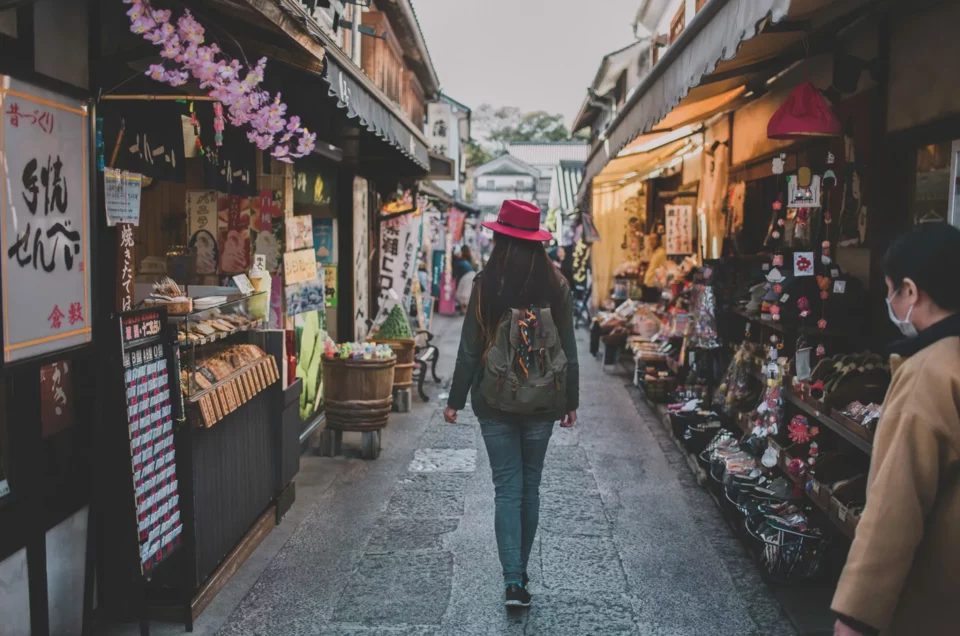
(224, 78)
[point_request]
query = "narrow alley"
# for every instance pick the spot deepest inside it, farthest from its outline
(405, 546)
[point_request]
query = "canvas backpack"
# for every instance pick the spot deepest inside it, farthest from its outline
(525, 369)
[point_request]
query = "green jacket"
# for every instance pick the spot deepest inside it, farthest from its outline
(469, 369)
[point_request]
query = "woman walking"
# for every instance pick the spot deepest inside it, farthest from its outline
(518, 360)
(903, 572)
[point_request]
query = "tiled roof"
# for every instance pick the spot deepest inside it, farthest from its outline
(542, 154)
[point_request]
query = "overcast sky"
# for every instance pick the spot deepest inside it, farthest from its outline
(534, 54)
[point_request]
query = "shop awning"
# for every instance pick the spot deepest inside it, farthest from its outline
(360, 104)
(563, 189)
(714, 34)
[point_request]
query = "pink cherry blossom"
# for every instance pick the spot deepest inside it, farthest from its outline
(222, 77)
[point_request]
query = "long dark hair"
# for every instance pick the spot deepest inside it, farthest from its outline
(518, 274)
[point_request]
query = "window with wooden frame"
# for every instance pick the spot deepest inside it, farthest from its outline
(678, 22)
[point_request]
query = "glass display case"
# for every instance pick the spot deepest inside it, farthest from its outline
(220, 340)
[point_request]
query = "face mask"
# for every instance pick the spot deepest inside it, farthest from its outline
(905, 326)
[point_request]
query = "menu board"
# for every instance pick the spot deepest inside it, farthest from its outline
(150, 414)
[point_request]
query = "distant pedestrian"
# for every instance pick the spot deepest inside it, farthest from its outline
(903, 572)
(518, 361)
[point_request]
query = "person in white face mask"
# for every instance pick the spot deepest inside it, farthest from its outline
(902, 575)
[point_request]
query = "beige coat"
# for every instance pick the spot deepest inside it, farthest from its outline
(903, 572)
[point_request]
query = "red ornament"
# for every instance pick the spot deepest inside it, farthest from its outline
(804, 114)
(822, 324)
(824, 294)
(777, 205)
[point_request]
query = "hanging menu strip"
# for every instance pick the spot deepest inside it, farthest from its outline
(150, 432)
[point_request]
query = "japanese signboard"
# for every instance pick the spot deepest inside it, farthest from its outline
(361, 258)
(202, 226)
(455, 221)
(299, 266)
(121, 196)
(299, 232)
(44, 139)
(150, 398)
(399, 255)
(679, 230)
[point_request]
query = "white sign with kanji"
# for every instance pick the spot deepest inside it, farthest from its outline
(679, 230)
(399, 256)
(45, 231)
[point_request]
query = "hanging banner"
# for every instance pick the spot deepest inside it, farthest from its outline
(267, 228)
(234, 234)
(361, 259)
(46, 219)
(448, 290)
(121, 196)
(434, 231)
(679, 230)
(202, 227)
(399, 256)
(455, 220)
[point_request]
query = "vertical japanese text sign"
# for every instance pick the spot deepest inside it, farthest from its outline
(44, 200)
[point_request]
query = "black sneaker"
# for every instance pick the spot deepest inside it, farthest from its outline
(516, 596)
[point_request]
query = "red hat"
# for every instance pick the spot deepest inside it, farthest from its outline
(804, 114)
(519, 219)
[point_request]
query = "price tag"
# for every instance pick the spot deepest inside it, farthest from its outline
(243, 283)
(842, 513)
(766, 267)
(815, 487)
(839, 286)
(785, 298)
(834, 272)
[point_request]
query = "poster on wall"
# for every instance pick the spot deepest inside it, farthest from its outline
(330, 285)
(361, 255)
(299, 232)
(399, 255)
(316, 187)
(46, 221)
(306, 296)
(679, 229)
(202, 229)
(267, 228)
(121, 196)
(325, 241)
(233, 224)
(299, 266)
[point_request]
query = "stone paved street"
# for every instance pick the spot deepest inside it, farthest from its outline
(404, 546)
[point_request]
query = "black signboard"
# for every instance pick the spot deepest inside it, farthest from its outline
(151, 394)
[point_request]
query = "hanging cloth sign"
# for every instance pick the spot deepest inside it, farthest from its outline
(679, 230)
(399, 255)
(121, 196)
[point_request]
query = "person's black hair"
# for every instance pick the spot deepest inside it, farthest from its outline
(518, 275)
(930, 257)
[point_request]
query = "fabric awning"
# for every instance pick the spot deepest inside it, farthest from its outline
(373, 115)
(563, 188)
(714, 34)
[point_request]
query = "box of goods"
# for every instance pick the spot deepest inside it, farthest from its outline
(847, 501)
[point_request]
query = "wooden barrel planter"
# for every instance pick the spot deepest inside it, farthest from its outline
(358, 396)
(404, 350)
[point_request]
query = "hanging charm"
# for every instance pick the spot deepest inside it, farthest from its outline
(218, 123)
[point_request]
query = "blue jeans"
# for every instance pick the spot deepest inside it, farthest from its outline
(516, 458)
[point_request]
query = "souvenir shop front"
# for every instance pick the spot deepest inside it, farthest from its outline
(751, 312)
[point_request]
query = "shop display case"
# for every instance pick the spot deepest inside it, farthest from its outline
(223, 359)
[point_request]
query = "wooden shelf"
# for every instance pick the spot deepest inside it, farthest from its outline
(846, 431)
(186, 344)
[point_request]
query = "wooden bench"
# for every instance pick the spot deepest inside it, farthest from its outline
(425, 353)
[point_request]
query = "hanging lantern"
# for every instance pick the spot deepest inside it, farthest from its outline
(805, 113)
